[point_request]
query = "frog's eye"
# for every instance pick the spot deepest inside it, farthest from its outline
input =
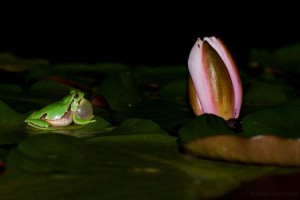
(76, 96)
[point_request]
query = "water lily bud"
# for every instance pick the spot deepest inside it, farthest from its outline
(214, 84)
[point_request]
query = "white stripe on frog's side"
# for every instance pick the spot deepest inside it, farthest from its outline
(63, 121)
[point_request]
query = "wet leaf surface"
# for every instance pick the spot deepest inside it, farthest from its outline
(136, 147)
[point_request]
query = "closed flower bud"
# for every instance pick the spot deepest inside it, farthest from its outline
(214, 84)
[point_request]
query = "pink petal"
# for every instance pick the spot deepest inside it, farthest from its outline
(197, 72)
(224, 53)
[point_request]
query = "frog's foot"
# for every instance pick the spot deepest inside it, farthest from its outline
(39, 124)
(77, 120)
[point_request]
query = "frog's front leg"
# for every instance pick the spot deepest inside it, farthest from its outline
(38, 123)
(77, 120)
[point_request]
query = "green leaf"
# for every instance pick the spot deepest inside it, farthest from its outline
(129, 153)
(280, 121)
(138, 126)
(175, 91)
(85, 74)
(143, 166)
(266, 94)
(10, 62)
(84, 131)
(126, 101)
(121, 93)
(11, 125)
(169, 114)
(287, 58)
(10, 89)
(283, 62)
(260, 57)
(117, 170)
(205, 125)
(210, 137)
(49, 88)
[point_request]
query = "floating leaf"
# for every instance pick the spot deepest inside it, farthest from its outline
(175, 91)
(9, 62)
(208, 136)
(6, 89)
(114, 166)
(133, 149)
(138, 126)
(202, 126)
(280, 121)
(49, 86)
(88, 130)
(287, 57)
(167, 113)
(264, 95)
(282, 60)
(49, 89)
(121, 94)
(64, 159)
(11, 125)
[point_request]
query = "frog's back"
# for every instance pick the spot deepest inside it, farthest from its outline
(52, 111)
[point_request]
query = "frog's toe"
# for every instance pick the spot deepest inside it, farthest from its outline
(77, 120)
(37, 123)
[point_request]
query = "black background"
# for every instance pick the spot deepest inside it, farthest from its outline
(143, 39)
(138, 48)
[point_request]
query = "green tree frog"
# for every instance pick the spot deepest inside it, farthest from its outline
(72, 108)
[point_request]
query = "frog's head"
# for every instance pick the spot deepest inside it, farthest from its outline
(76, 96)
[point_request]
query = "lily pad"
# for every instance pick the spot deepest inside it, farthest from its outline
(11, 125)
(209, 136)
(118, 168)
(146, 142)
(121, 93)
(175, 91)
(280, 121)
(46, 88)
(169, 114)
(283, 62)
(262, 95)
(12, 63)
(144, 165)
(138, 126)
(205, 125)
(88, 130)
(266, 94)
